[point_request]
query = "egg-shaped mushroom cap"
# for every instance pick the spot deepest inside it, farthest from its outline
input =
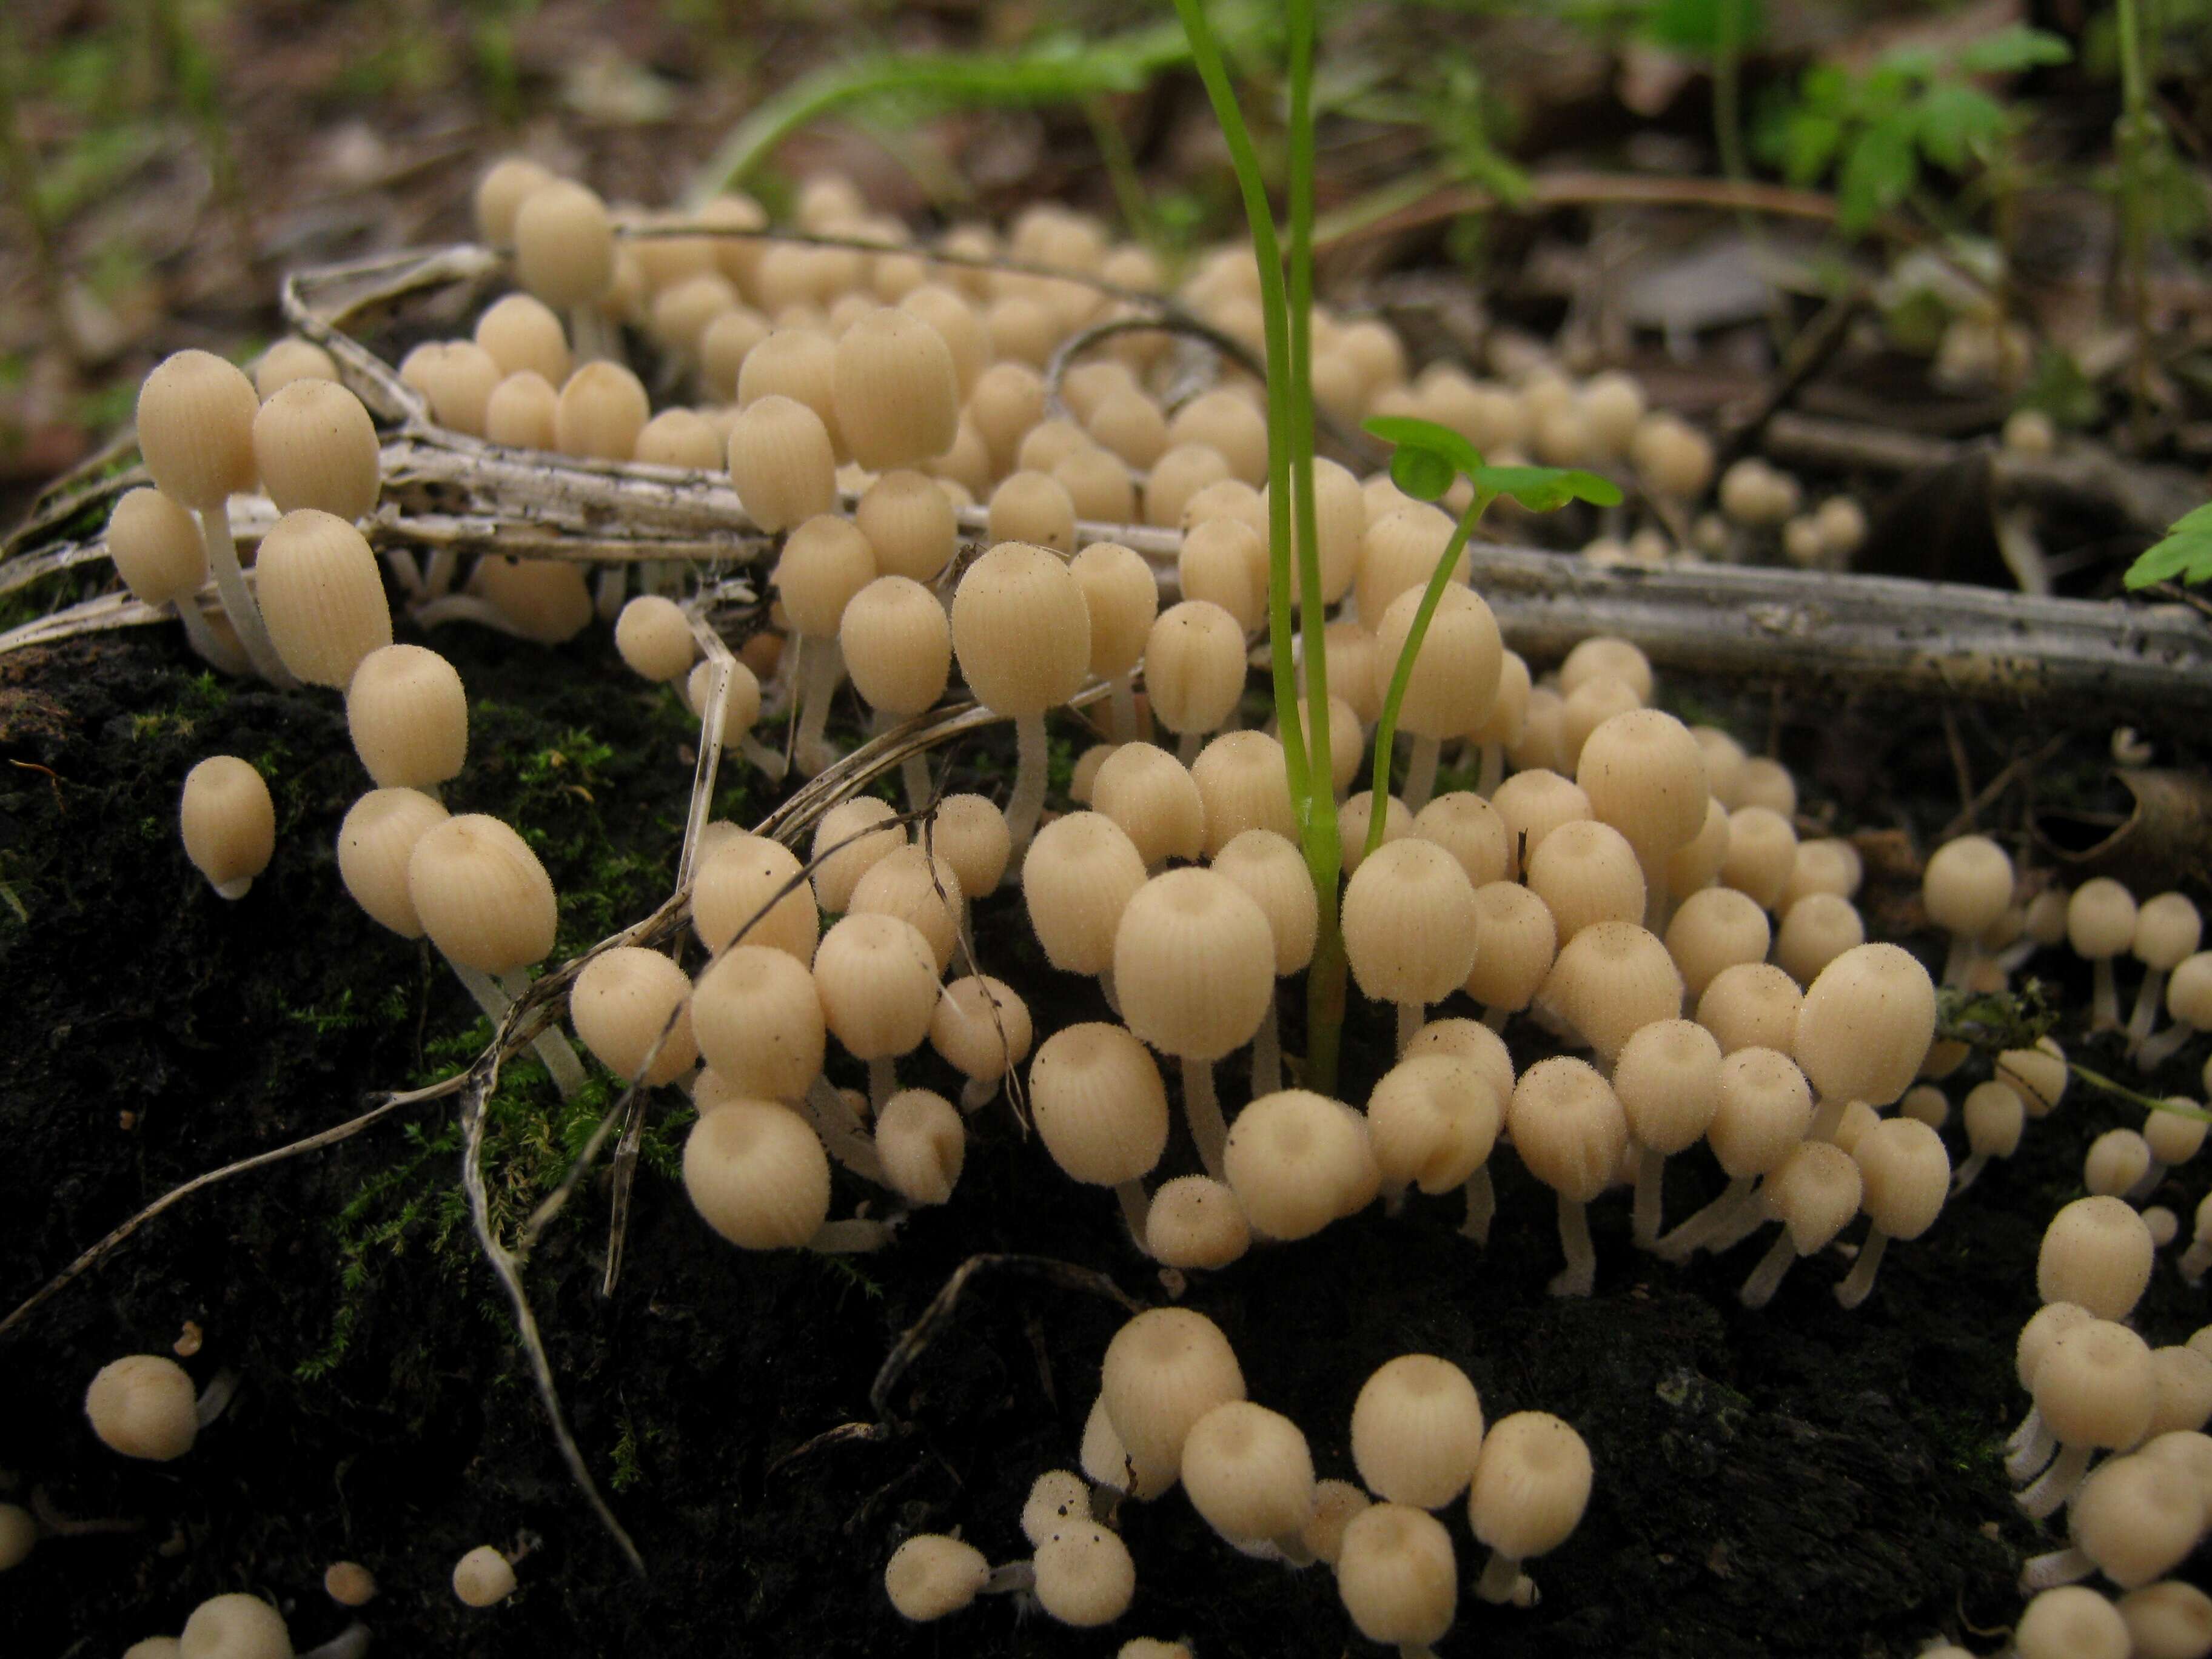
(321, 593)
(982, 1027)
(897, 645)
(751, 890)
(1248, 1472)
(2168, 1620)
(1609, 982)
(1586, 872)
(1568, 1126)
(1454, 676)
(2100, 919)
(2096, 1252)
(1516, 945)
(2097, 1386)
(1866, 1023)
(375, 842)
(1762, 1110)
(315, 446)
(1966, 886)
(923, 1145)
(1715, 929)
(1100, 1106)
(1084, 1577)
(1194, 964)
(1243, 786)
(1417, 1431)
(408, 715)
(622, 1002)
(1814, 1193)
(481, 895)
(782, 462)
(877, 978)
(758, 1019)
(757, 1175)
(850, 839)
(1272, 872)
(229, 822)
(1530, 1486)
(1077, 879)
(196, 428)
(930, 1575)
(156, 549)
(896, 388)
(1432, 1120)
(2041, 1330)
(1021, 630)
(1056, 1496)
(1196, 1221)
(1645, 775)
(235, 1626)
(1396, 1575)
(143, 1405)
(1668, 1077)
(1163, 1371)
(2071, 1622)
(1753, 1004)
(1993, 1117)
(1410, 923)
(2167, 930)
(1907, 1175)
(1121, 598)
(1298, 1161)
(2137, 1518)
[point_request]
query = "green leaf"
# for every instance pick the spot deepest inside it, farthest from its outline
(2185, 555)
(1810, 140)
(2011, 50)
(1545, 489)
(1879, 171)
(1957, 121)
(1701, 26)
(1427, 456)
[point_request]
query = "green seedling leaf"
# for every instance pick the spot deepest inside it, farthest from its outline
(2185, 556)
(1879, 170)
(1702, 26)
(1958, 121)
(2011, 50)
(1427, 457)
(1545, 489)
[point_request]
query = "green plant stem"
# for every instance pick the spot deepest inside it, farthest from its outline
(1401, 676)
(2136, 1096)
(1121, 173)
(2132, 140)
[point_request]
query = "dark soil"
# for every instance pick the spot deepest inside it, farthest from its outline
(1803, 1480)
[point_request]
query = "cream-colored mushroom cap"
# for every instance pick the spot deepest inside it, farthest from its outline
(825, 565)
(235, 1626)
(1814, 1193)
(1150, 795)
(1470, 829)
(753, 887)
(758, 1019)
(969, 834)
(349, 1583)
(1517, 943)
(1194, 964)
(1668, 1077)
(846, 845)
(1532, 803)
(1272, 872)
(877, 978)
(524, 336)
(2097, 1385)
(229, 822)
(910, 524)
(1815, 930)
(19, 1535)
(1195, 666)
(1021, 630)
(544, 599)
(1432, 1120)
(2168, 1620)
(1531, 1485)
(156, 549)
(522, 411)
(740, 704)
(1033, 508)
(1120, 597)
(2096, 1253)
(2137, 1518)
(143, 1405)
(931, 1575)
(1223, 561)
(1715, 929)
(2100, 919)
(1163, 1371)
(1396, 1576)
(1242, 783)
(2168, 929)
(322, 595)
(782, 462)
(897, 645)
(1761, 1112)
(2041, 1330)
(1336, 1504)
(600, 413)
(1248, 1472)
(407, 715)
(1341, 514)
(1762, 852)
(1966, 886)
(315, 446)
(1454, 677)
(621, 1004)
(897, 390)
(982, 1028)
(1298, 1161)
(1586, 872)
(1609, 982)
(1994, 1119)
(288, 360)
(1084, 1575)
(196, 429)
(375, 842)
(564, 244)
(1866, 1022)
(654, 638)
(1645, 775)
(2175, 1137)
(1410, 923)
(1196, 1222)
(1055, 1497)
(1752, 1005)
(1907, 1175)
(1417, 1431)
(2116, 1161)
(757, 1175)
(2071, 1622)
(1078, 877)
(1568, 1126)
(1400, 552)
(908, 884)
(1101, 1107)
(922, 1144)
(481, 895)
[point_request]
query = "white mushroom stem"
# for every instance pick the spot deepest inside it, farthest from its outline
(215, 1399)
(2024, 1462)
(1580, 1275)
(1650, 1166)
(350, 1643)
(1203, 1110)
(609, 590)
(1481, 1207)
(1187, 745)
(496, 997)
(1750, 1216)
(976, 1092)
(1292, 1548)
(1677, 1245)
(1421, 772)
(770, 763)
(882, 1082)
(1008, 1580)
(439, 569)
(2147, 998)
(1121, 708)
(2056, 1484)
(2195, 1260)
(2055, 1567)
(1960, 960)
(588, 332)
(843, 1135)
(238, 599)
(465, 607)
(1267, 1050)
(1027, 801)
(2154, 1172)
(1969, 1172)
(1827, 1118)
(1858, 1285)
(200, 634)
(2155, 1050)
(2104, 997)
(852, 1238)
(405, 572)
(1503, 1582)
(1492, 772)
(822, 667)
(1411, 1017)
(1766, 1278)
(1136, 1205)
(2031, 1427)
